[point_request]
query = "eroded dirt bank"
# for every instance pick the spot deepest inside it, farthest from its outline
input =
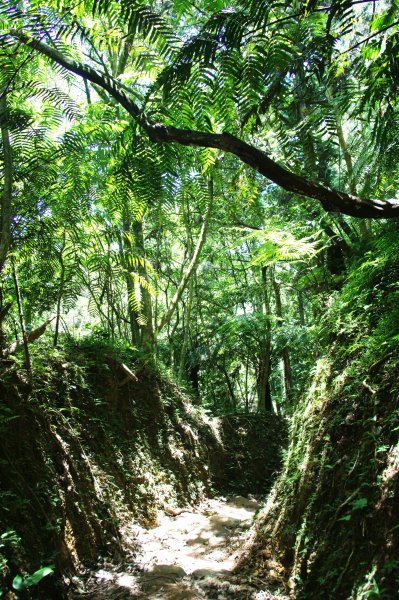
(189, 554)
(85, 453)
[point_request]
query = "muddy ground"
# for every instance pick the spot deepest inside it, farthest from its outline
(190, 554)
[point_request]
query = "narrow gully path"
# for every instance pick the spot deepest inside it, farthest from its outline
(189, 555)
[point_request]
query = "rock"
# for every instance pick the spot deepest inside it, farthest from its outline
(172, 571)
(206, 573)
(161, 576)
(241, 501)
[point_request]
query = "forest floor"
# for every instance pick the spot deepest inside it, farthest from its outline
(190, 554)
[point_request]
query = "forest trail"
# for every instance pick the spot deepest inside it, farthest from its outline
(188, 555)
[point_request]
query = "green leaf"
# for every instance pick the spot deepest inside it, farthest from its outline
(359, 503)
(19, 583)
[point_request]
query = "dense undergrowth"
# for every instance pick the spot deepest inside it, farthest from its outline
(85, 445)
(332, 522)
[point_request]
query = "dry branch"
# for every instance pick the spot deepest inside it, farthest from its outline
(31, 336)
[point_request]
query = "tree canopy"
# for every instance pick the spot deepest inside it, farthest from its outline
(218, 76)
(159, 162)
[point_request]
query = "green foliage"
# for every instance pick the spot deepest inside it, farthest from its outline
(366, 311)
(127, 209)
(9, 537)
(279, 246)
(98, 344)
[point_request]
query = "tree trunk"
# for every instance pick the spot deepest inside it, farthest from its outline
(126, 249)
(187, 321)
(301, 309)
(285, 354)
(363, 225)
(192, 265)
(146, 328)
(230, 387)
(133, 315)
(263, 386)
(5, 239)
(3, 313)
(60, 292)
(264, 365)
(28, 363)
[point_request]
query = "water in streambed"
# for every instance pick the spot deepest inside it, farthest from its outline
(189, 555)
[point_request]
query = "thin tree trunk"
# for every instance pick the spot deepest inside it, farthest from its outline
(187, 323)
(230, 387)
(285, 354)
(87, 283)
(126, 249)
(132, 314)
(87, 90)
(146, 329)
(246, 385)
(301, 308)
(191, 267)
(28, 363)
(3, 313)
(60, 292)
(363, 225)
(346, 154)
(5, 239)
(263, 376)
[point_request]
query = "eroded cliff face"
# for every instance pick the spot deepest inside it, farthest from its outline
(331, 525)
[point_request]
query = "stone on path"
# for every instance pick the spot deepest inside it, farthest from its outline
(206, 573)
(160, 576)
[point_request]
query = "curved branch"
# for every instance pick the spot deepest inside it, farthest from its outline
(331, 200)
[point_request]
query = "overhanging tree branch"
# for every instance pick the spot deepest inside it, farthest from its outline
(331, 200)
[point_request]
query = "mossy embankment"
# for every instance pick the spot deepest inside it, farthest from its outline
(331, 526)
(85, 447)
